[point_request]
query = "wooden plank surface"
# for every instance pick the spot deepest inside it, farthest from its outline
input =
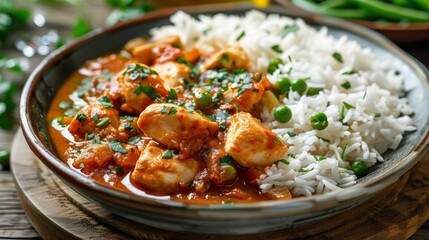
(57, 212)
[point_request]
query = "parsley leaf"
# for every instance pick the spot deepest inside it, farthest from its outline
(338, 57)
(346, 85)
(105, 102)
(277, 48)
(116, 146)
(172, 111)
(167, 154)
(225, 160)
(149, 91)
(242, 34)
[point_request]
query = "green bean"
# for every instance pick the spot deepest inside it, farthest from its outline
(331, 4)
(341, 13)
(392, 12)
(382, 10)
(421, 4)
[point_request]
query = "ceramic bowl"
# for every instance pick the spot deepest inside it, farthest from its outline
(400, 33)
(214, 218)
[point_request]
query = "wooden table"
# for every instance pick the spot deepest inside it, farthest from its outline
(13, 221)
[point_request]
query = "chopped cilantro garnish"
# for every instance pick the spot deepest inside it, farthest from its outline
(172, 95)
(377, 115)
(105, 102)
(94, 117)
(277, 48)
(65, 105)
(81, 117)
(149, 91)
(241, 35)
(346, 85)
(116, 146)
(139, 71)
(167, 154)
(338, 57)
(225, 160)
(119, 170)
(103, 122)
(319, 158)
(343, 151)
(351, 72)
(282, 161)
(134, 140)
(348, 106)
(164, 109)
(291, 134)
(194, 69)
(128, 127)
(172, 111)
(289, 29)
(277, 141)
(324, 139)
(291, 155)
(224, 58)
(70, 112)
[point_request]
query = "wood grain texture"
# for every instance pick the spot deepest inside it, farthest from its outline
(57, 212)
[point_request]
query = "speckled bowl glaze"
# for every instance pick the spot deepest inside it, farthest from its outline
(213, 218)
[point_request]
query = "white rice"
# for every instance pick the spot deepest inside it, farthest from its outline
(377, 122)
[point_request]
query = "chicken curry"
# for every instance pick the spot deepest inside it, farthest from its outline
(159, 120)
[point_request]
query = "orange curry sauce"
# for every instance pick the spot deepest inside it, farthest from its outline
(159, 114)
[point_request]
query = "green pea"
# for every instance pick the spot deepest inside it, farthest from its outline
(228, 173)
(204, 100)
(282, 114)
(274, 64)
(299, 86)
(319, 121)
(283, 85)
(359, 168)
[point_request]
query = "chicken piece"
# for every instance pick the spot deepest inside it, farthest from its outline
(159, 170)
(247, 99)
(251, 143)
(140, 86)
(278, 193)
(93, 156)
(176, 127)
(143, 51)
(134, 43)
(172, 74)
(165, 53)
(128, 159)
(128, 128)
(231, 57)
(96, 119)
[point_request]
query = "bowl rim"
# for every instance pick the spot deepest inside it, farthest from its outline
(327, 200)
